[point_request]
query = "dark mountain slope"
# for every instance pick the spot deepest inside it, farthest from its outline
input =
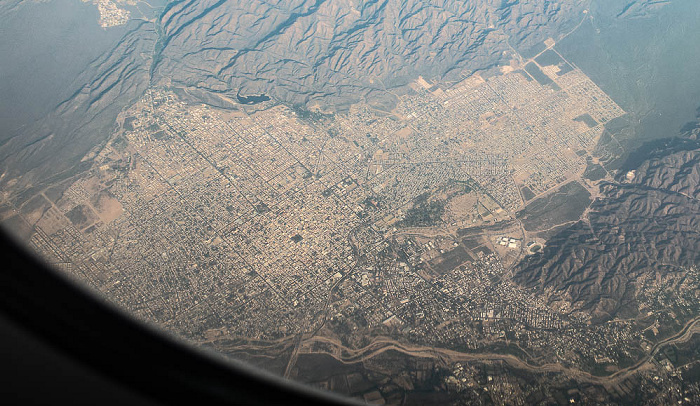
(648, 227)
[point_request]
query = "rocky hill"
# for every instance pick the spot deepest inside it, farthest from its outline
(645, 228)
(334, 52)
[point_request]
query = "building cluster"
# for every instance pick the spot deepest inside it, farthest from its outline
(111, 15)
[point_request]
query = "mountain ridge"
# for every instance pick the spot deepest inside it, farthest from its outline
(644, 227)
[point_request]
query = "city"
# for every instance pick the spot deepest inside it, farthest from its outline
(342, 234)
